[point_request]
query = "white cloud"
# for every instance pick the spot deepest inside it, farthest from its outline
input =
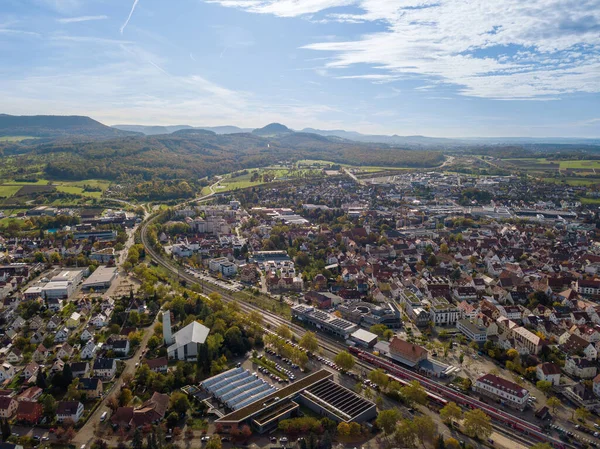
(493, 49)
(81, 19)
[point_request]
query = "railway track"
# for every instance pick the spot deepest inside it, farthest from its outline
(333, 347)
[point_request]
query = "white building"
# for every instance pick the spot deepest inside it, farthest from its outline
(502, 390)
(548, 372)
(472, 331)
(443, 313)
(187, 341)
(58, 289)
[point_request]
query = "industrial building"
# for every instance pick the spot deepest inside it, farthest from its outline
(324, 321)
(237, 388)
(364, 338)
(317, 392)
(101, 279)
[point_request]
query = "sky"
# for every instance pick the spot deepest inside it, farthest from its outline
(445, 68)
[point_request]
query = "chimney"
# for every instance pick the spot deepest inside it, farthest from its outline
(167, 336)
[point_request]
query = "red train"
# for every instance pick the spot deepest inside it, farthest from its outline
(441, 394)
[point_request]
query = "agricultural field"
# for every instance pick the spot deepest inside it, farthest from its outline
(7, 191)
(15, 138)
(256, 177)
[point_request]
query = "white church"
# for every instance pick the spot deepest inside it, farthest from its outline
(183, 345)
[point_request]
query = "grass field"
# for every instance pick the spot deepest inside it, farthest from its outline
(573, 181)
(6, 191)
(586, 200)
(15, 138)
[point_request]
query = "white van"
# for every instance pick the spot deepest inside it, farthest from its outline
(103, 417)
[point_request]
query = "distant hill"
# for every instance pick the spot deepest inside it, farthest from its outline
(273, 129)
(155, 130)
(56, 126)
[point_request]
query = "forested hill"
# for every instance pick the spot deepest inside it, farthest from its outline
(56, 126)
(190, 154)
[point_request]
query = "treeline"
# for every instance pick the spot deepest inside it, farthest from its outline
(195, 156)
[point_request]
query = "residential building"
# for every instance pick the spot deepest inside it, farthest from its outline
(502, 390)
(472, 331)
(549, 372)
(69, 410)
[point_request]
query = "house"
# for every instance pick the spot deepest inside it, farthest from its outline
(122, 416)
(105, 368)
(36, 338)
(100, 320)
(80, 369)
(61, 335)
(57, 367)
(69, 410)
(88, 351)
(7, 372)
(580, 367)
(36, 323)
(30, 370)
(187, 340)
(29, 412)
(53, 323)
(40, 354)
(596, 385)
(549, 372)
(502, 390)
(153, 410)
(159, 365)
(14, 356)
(91, 387)
(74, 320)
(8, 407)
(87, 334)
(32, 394)
(64, 351)
(119, 344)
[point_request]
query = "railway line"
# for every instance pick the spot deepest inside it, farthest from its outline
(367, 361)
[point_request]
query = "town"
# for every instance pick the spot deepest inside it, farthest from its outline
(354, 308)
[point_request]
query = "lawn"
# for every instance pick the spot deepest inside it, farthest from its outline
(574, 181)
(587, 200)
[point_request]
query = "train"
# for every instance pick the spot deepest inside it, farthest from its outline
(441, 394)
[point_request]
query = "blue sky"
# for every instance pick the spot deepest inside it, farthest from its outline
(432, 67)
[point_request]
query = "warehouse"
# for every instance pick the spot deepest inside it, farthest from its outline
(101, 279)
(364, 338)
(317, 391)
(58, 290)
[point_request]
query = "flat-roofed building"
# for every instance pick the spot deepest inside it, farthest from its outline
(317, 392)
(101, 279)
(364, 338)
(324, 321)
(472, 331)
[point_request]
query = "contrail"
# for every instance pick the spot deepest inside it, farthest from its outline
(135, 2)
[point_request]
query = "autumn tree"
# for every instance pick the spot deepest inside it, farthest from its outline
(344, 360)
(477, 424)
(309, 342)
(553, 403)
(451, 412)
(284, 331)
(387, 419)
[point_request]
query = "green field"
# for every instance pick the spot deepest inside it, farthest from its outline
(573, 181)
(15, 138)
(586, 200)
(6, 191)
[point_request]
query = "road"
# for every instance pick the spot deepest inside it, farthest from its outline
(85, 435)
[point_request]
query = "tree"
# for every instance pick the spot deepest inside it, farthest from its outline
(125, 397)
(179, 402)
(154, 342)
(451, 412)
(425, 428)
(214, 443)
(553, 403)
(582, 413)
(309, 342)
(284, 332)
(439, 443)
(5, 428)
(343, 429)
(48, 406)
(477, 424)
(544, 386)
(542, 446)
(137, 441)
(387, 419)
(344, 360)
(512, 354)
(406, 434)
(414, 393)
(246, 432)
(379, 378)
